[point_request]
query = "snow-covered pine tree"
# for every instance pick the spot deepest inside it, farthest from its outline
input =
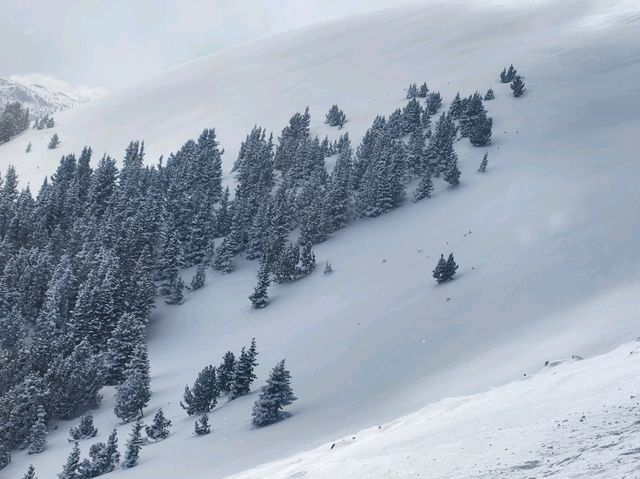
(31, 473)
(54, 142)
(225, 372)
(134, 393)
(38, 437)
(307, 260)
(517, 86)
(275, 395)
(425, 187)
(452, 175)
(5, 456)
(84, 430)
(423, 90)
(416, 154)
(456, 107)
(484, 163)
(129, 332)
(335, 117)
(199, 278)
(260, 296)
(445, 269)
(243, 374)
(412, 91)
(450, 268)
(224, 256)
(480, 132)
(159, 428)
(70, 468)
(434, 101)
(133, 446)
(328, 269)
(203, 396)
(202, 427)
(176, 292)
(490, 95)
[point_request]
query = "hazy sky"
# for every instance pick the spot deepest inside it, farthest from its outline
(112, 43)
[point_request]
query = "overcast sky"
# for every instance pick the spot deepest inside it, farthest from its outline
(111, 43)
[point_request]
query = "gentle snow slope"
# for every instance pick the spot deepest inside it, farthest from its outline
(577, 419)
(547, 240)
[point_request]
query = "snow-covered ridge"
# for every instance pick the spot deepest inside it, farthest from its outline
(43, 94)
(578, 419)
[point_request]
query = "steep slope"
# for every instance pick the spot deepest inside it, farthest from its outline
(547, 239)
(576, 419)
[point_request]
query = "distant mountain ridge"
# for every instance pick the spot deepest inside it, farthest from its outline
(43, 94)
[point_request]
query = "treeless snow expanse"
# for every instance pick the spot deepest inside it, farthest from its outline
(546, 240)
(577, 419)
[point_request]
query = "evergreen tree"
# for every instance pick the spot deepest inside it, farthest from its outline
(517, 86)
(484, 163)
(199, 278)
(480, 132)
(110, 455)
(412, 91)
(336, 117)
(134, 444)
(224, 256)
(273, 397)
(508, 75)
(425, 187)
(70, 469)
(452, 176)
(445, 269)
(85, 430)
(203, 396)
(260, 297)
(328, 269)
(28, 150)
(490, 95)
(54, 142)
(159, 428)
(31, 473)
(38, 438)
(202, 426)
(423, 90)
(176, 292)
(127, 335)
(134, 393)
(243, 375)
(307, 259)
(434, 101)
(5, 456)
(225, 372)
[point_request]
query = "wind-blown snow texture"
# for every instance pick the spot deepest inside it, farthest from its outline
(546, 239)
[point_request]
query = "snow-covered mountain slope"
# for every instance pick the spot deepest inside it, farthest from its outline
(547, 239)
(577, 419)
(43, 94)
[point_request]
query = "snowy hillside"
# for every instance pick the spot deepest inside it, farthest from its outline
(576, 419)
(43, 94)
(546, 240)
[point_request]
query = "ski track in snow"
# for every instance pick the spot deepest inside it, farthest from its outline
(550, 268)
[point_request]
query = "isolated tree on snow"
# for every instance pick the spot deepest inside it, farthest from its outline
(31, 473)
(85, 430)
(336, 117)
(70, 469)
(423, 90)
(54, 142)
(445, 269)
(199, 278)
(202, 426)
(484, 163)
(38, 437)
(28, 150)
(134, 444)
(159, 428)
(517, 86)
(328, 269)
(260, 296)
(508, 75)
(273, 397)
(489, 95)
